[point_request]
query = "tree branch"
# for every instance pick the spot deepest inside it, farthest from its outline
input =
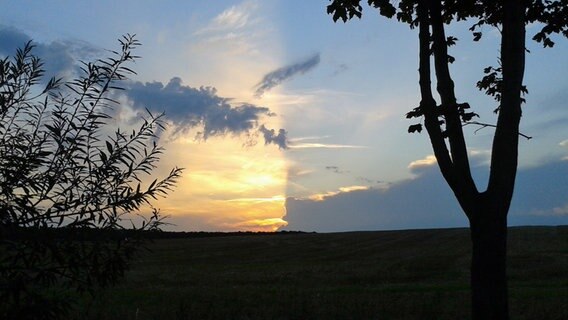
(428, 104)
(504, 155)
(485, 125)
(464, 186)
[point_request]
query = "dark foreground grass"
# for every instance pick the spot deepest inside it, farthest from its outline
(419, 274)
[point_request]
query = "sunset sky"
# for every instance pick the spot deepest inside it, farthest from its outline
(231, 74)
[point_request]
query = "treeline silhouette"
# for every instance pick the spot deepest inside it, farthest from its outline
(94, 234)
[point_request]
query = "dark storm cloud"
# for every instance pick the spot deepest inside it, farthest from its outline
(276, 77)
(541, 198)
(59, 57)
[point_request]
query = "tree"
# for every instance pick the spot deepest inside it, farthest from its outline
(486, 210)
(68, 184)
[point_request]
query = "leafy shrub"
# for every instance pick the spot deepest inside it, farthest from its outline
(67, 184)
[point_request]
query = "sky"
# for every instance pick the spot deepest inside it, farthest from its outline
(285, 120)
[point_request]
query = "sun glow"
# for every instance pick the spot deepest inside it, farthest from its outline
(261, 180)
(226, 186)
(229, 184)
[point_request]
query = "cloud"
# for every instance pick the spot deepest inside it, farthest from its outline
(561, 211)
(234, 18)
(322, 146)
(329, 194)
(258, 200)
(353, 188)
(294, 140)
(427, 202)
(429, 161)
(276, 77)
(234, 30)
(188, 107)
(268, 225)
(564, 144)
(270, 136)
(477, 157)
(301, 143)
(59, 57)
(340, 69)
(335, 169)
(205, 222)
(296, 171)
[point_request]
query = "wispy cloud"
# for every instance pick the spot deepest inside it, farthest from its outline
(335, 169)
(311, 143)
(279, 198)
(234, 18)
(340, 69)
(276, 77)
(296, 171)
(234, 29)
(296, 140)
(323, 146)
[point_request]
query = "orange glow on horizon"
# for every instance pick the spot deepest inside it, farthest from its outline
(226, 187)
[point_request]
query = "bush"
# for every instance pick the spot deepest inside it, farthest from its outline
(68, 183)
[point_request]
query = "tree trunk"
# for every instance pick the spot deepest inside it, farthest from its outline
(488, 264)
(487, 211)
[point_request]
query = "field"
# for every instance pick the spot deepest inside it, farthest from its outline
(420, 274)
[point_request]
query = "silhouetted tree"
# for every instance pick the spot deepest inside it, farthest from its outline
(486, 210)
(67, 183)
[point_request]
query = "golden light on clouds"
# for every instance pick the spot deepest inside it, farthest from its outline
(226, 186)
(323, 196)
(430, 160)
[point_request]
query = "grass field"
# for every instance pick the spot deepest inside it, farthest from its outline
(421, 274)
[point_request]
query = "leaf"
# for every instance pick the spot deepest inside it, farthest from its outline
(152, 184)
(109, 147)
(468, 116)
(451, 41)
(548, 43)
(524, 90)
(56, 131)
(415, 128)
(415, 113)
(386, 9)
(477, 36)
